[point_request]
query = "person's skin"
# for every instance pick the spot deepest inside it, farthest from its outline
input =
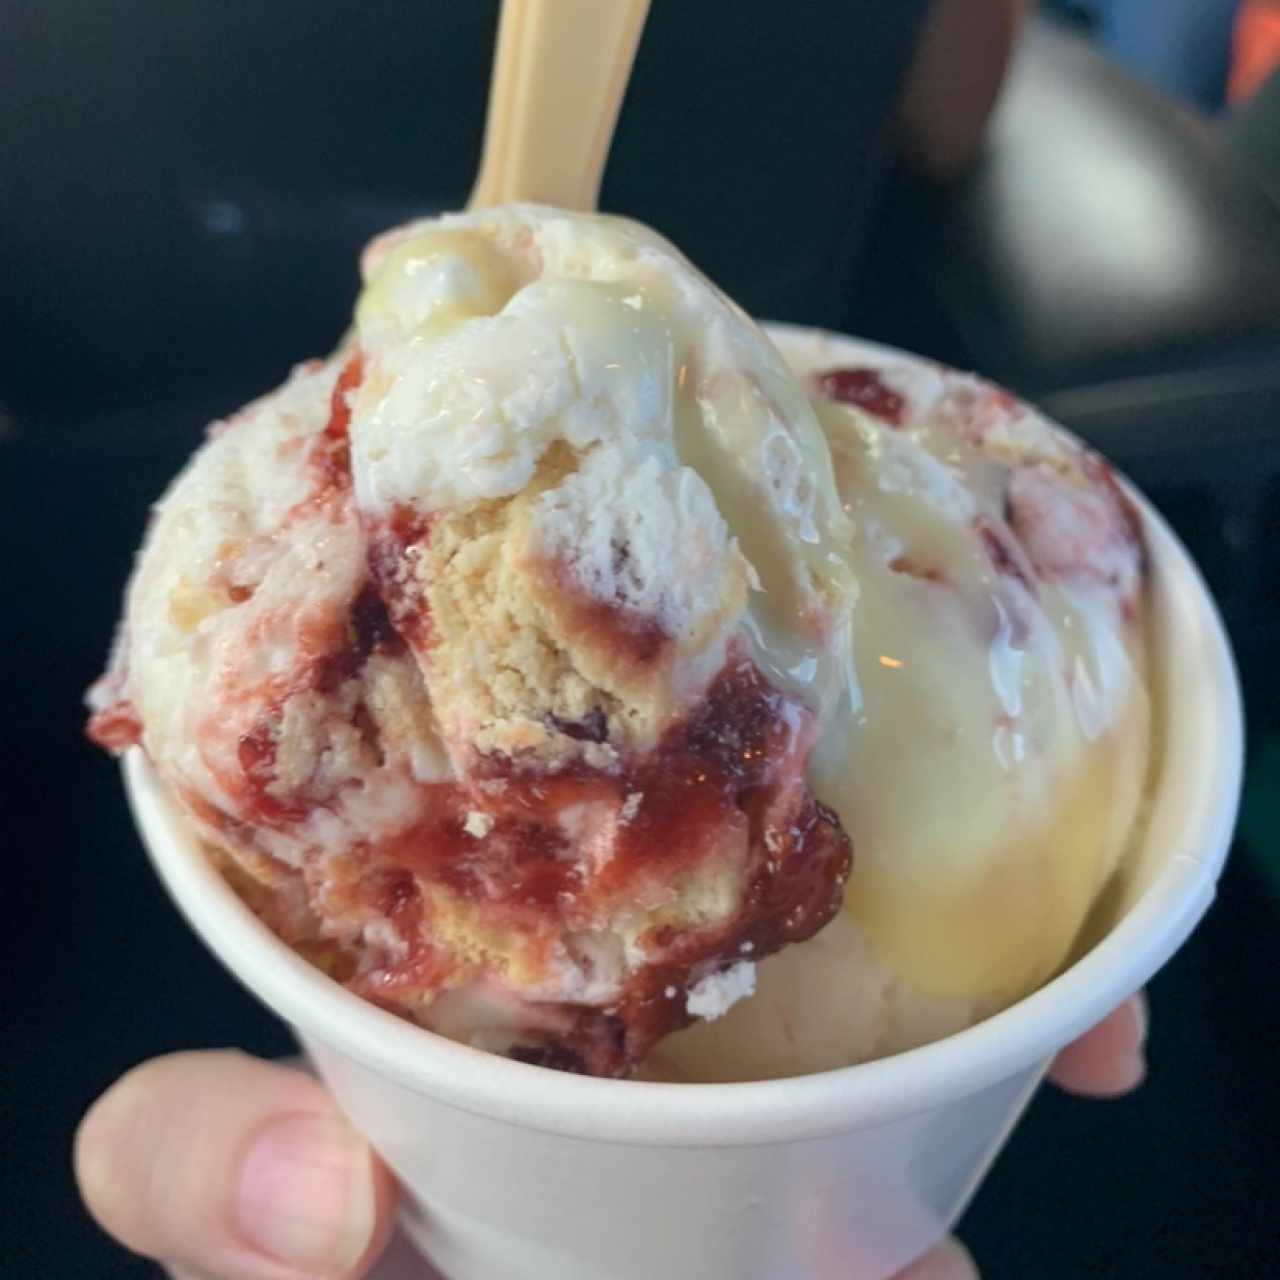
(223, 1167)
(955, 80)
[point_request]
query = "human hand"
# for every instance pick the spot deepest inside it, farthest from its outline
(1105, 1062)
(227, 1168)
(224, 1167)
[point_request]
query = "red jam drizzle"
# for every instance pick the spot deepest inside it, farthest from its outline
(865, 389)
(731, 773)
(632, 635)
(1106, 542)
(912, 568)
(725, 783)
(339, 423)
(330, 451)
(1004, 559)
(115, 728)
(392, 547)
(368, 630)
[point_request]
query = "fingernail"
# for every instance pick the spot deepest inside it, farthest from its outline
(948, 1261)
(1130, 1072)
(305, 1194)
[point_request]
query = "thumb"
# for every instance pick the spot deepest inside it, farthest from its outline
(949, 1260)
(232, 1167)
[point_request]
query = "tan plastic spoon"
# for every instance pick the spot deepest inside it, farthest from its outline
(559, 74)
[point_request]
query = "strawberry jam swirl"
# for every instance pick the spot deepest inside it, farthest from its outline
(727, 780)
(1080, 528)
(865, 389)
(546, 859)
(113, 724)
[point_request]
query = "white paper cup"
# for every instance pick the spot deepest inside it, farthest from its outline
(513, 1172)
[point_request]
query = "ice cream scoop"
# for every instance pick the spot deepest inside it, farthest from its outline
(995, 766)
(496, 647)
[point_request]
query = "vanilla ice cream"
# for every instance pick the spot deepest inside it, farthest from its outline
(530, 663)
(998, 756)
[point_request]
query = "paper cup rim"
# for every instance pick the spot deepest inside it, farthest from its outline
(759, 1112)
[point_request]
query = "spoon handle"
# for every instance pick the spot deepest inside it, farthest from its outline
(560, 71)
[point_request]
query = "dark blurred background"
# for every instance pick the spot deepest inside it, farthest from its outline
(183, 188)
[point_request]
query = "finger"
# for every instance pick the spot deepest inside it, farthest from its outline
(948, 1261)
(224, 1166)
(1110, 1059)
